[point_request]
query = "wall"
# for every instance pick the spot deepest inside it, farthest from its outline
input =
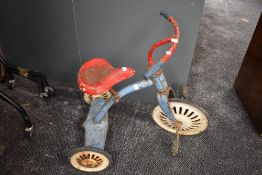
(43, 35)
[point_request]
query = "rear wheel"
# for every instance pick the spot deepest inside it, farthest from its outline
(89, 98)
(90, 159)
(193, 118)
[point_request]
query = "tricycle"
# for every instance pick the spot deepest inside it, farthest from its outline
(96, 78)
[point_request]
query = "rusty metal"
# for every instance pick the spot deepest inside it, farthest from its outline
(158, 73)
(23, 72)
(89, 98)
(183, 92)
(116, 95)
(176, 141)
(117, 98)
(90, 159)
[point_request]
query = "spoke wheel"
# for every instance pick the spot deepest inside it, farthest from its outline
(90, 159)
(193, 119)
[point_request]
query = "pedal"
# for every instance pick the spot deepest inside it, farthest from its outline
(175, 145)
(176, 141)
(183, 91)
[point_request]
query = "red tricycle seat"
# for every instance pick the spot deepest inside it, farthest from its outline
(98, 75)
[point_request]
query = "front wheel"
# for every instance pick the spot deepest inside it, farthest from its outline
(90, 159)
(193, 118)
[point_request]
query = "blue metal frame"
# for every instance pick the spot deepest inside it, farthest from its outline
(96, 123)
(164, 105)
(95, 133)
(151, 72)
(163, 89)
(123, 92)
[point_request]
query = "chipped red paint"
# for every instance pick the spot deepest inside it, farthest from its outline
(165, 41)
(98, 75)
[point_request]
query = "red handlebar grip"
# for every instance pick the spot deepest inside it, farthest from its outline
(173, 38)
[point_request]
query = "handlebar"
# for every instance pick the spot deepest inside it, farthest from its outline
(174, 39)
(164, 14)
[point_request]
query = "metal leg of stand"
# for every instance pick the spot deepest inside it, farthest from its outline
(20, 109)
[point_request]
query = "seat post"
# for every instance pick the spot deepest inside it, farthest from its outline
(96, 132)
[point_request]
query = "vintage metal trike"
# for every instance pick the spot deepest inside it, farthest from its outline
(96, 78)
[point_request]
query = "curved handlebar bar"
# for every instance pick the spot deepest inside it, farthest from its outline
(174, 39)
(164, 14)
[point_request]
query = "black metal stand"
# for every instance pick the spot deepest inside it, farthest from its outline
(45, 91)
(20, 109)
(7, 72)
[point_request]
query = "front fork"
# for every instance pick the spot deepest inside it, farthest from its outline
(96, 132)
(164, 94)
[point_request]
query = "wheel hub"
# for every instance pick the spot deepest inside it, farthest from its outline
(89, 161)
(92, 160)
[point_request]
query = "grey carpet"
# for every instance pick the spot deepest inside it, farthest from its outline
(136, 143)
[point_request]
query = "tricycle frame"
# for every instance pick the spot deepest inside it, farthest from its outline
(97, 121)
(96, 124)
